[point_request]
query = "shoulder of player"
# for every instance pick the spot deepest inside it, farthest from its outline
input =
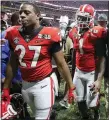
(71, 31)
(51, 30)
(12, 28)
(97, 29)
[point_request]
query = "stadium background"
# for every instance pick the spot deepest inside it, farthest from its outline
(52, 10)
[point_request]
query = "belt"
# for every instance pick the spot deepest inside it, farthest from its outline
(41, 79)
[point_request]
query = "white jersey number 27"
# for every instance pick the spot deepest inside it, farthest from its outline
(36, 49)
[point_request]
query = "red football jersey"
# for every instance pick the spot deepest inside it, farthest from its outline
(85, 47)
(34, 56)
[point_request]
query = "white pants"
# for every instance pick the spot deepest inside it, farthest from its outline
(40, 96)
(82, 81)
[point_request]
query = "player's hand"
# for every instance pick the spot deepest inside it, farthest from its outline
(71, 96)
(97, 84)
(5, 94)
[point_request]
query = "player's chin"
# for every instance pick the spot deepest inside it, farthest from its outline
(25, 24)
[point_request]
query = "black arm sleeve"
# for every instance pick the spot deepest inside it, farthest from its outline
(100, 47)
(55, 47)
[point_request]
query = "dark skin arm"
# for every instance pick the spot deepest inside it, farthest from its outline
(100, 49)
(100, 68)
(11, 70)
(63, 68)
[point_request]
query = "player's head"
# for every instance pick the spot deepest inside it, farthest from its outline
(85, 16)
(3, 21)
(29, 14)
(15, 18)
(102, 20)
(44, 22)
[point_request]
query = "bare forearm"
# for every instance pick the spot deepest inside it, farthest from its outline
(100, 68)
(63, 68)
(11, 70)
(9, 76)
(65, 72)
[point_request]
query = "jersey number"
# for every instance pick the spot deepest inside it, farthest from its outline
(37, 50)
(81, 46)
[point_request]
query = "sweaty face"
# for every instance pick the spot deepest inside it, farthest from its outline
(28, 16)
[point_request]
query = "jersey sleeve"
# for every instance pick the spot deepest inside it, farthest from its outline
(102, 33)
(55, 47)
(70, 34)
(99, 32)
(56, 36)
(8, 37)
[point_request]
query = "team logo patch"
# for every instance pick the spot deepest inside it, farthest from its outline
(16, 40)
(44, 36)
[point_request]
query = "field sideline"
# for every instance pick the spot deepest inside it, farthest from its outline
(72, 112)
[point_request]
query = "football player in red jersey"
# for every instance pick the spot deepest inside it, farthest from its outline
(32, 49)
(88, 41)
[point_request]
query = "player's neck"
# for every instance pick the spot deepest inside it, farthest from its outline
(31, 28)
(83, 30)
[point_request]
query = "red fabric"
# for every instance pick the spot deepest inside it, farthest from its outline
(4, 105)
(5, 94)
(71, 95)
(35, 52)
(86, 61)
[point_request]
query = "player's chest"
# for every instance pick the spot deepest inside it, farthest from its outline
(39, 44)
(82, 41)
(40, 39)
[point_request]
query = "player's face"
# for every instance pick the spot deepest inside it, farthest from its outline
(103, 23)
(28, 16)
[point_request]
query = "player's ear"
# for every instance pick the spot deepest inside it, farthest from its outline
(38, 16)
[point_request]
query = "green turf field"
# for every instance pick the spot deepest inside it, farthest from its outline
(72, 113)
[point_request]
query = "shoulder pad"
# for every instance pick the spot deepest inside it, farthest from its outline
(98, 31)
(71, 32)
(12, 28)
(53, 32)
(10, 31)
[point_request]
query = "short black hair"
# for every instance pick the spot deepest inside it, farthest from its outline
(3, 12)
(45, 22)
(3, 22)
(15, 17)
(36, 9)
